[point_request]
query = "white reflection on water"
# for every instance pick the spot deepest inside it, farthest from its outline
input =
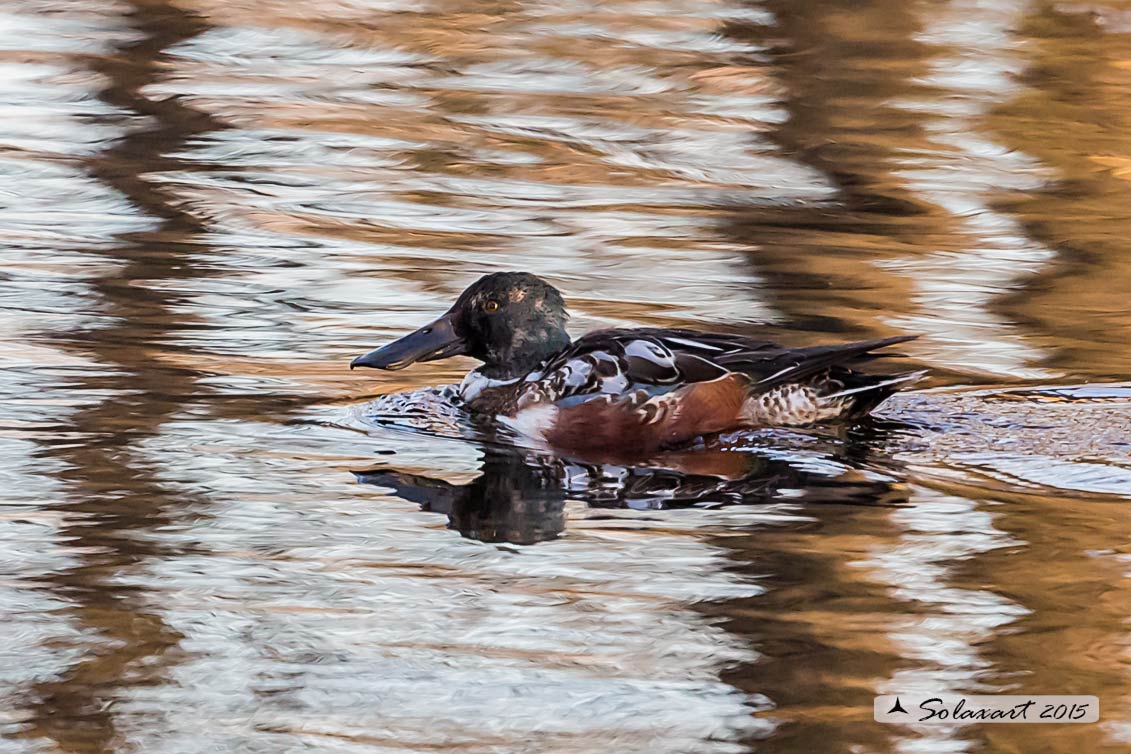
(180, 561)
(337, 175)
(40, 642)
(53, 214)
(942, 642)
(361, 620)
(965, 175)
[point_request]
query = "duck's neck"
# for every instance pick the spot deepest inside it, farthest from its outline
(524, 352)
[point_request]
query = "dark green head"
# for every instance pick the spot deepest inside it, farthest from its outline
(510, 321)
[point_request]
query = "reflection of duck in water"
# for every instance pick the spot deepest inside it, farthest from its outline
(630, 391)
(520, 496)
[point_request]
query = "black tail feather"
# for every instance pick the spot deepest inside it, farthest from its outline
(872, 390)
(798, 365)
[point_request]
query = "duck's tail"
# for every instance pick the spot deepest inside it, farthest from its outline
(868, 392)
(820, 384)
(798, 365)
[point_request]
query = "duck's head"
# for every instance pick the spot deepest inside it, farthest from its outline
(510, 321)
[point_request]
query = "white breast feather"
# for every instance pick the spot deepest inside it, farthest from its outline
(643, 349)
(531, 422)
(614, 385)
(475, 382)
(577, 373)
(617, 382)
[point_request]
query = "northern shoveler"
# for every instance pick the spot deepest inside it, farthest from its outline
(642, 389)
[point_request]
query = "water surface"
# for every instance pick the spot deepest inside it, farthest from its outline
(210, 206)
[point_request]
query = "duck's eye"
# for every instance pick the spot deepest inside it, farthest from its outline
(491, 306)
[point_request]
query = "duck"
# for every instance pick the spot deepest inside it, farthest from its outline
(642, 390)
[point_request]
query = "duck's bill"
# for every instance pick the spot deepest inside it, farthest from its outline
(438, 340)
